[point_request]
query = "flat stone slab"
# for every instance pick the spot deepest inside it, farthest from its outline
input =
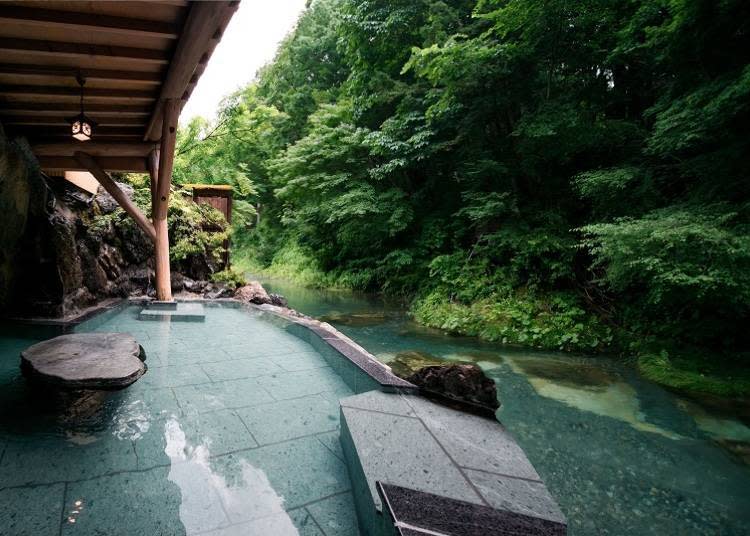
(85, 360)
(181, 312)
(168, 305)
(438, 459)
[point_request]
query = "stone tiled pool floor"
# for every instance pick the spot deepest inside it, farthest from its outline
(234, 429)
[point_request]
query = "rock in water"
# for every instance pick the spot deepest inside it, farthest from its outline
(254, 292)
(408, 362)
(86, 360)
(463, 384)
(278, 300)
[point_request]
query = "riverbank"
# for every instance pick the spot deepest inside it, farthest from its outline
(553, 321)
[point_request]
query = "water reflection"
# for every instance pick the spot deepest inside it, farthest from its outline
(243, 502)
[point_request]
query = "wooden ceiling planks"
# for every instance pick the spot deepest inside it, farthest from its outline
(133, 54)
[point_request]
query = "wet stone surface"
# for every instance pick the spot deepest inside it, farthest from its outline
(85, 361)
(233, 430)
(465, 461)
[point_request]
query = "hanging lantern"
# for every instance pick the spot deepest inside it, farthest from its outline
(81, 126)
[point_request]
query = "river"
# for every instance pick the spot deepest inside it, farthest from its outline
(620, 454)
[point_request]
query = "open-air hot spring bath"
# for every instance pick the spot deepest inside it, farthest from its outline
(249, 423)
(235, 424)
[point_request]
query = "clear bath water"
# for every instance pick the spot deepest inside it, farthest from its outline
(621, 455)
(232, 431)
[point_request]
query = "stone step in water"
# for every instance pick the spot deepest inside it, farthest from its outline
(85, 361)
(164, 305)
(436, 470)
(183, 312)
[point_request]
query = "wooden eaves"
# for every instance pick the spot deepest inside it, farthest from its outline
(141, 61)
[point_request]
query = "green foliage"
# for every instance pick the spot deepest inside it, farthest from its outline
(696, 374)
(291, 262)
(555, 322)
(195, 229)
(230, 277)
(689, 268)
(572, 167)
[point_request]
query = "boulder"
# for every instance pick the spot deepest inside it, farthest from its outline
(191, 285)
(253, 292)
(218, 291)
(408, 362)
(177, 281)
(278, 300)
(464, 385)
(85, 361)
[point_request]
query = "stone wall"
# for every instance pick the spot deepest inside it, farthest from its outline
(22, 197)
(62, 249)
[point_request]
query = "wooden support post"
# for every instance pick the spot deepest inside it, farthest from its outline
(166, 161)
(153, 170)
(93, 167)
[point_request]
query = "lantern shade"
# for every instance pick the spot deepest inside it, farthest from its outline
(81, 127)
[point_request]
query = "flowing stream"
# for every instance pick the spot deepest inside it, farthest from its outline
(620, 454)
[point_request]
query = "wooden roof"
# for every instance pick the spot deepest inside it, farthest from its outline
(133, 54)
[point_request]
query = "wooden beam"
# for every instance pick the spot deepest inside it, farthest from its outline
(153, 170)
(64, 130)
(126, 164)
(62, 139)
(7, 107)
(93, 148)
(81, 50)
(93, 167)
(58, 119)
(88, 74)
(56, 91)
(77, 21)
(166, 162)
(202, 30)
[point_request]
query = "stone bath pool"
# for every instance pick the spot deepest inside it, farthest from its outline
(620, 454)
(235, 429)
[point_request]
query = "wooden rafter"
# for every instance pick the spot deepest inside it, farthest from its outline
(129, 164)
(81, 50)
(58, 119)
(69, 73)
(64, 130)
(57, 91)
(93, 148)
(79, 21)
(12, 108)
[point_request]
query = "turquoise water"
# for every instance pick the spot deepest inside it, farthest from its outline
(621, 455)
(233, 430)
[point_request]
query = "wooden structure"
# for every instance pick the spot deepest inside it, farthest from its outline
(141, 61)
(218, 196)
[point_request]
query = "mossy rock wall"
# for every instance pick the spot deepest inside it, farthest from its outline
(52, 261)
(19, 183)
